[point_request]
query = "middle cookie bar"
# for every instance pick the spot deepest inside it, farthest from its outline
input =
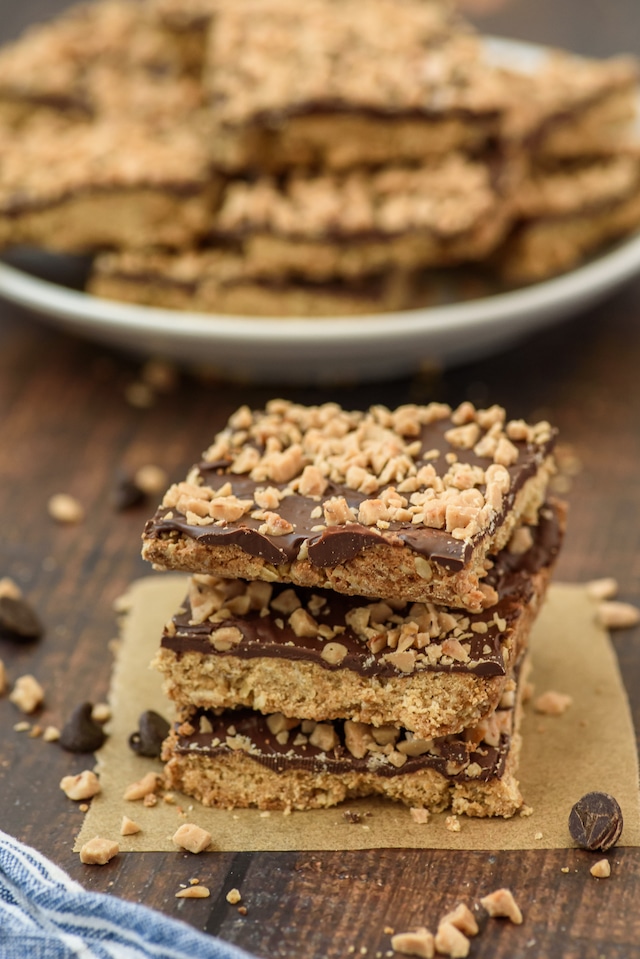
(318, 655)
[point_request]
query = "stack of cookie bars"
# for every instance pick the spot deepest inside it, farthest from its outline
(363, 586)
(242, 156)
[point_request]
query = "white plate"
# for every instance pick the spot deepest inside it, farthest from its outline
(325, 350)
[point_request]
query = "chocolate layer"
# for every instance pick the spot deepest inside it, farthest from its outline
(247, 730)
(272, 636)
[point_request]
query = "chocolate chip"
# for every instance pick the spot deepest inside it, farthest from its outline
(18, 620)
(125, 493)
(81, 733)
(153, 729)
(595, 822)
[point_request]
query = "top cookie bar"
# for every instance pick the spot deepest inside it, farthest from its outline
(404, 504)
(337, 87)
(57, 67)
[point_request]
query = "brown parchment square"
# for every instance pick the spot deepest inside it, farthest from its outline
(591, 747)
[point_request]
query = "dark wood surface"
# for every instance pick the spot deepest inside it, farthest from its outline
(65, 425)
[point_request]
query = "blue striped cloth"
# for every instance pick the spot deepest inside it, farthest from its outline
(46, 915)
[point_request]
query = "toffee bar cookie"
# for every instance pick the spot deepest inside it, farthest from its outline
(51, 67)
(217, 281)
(584, 106)
(569, 209)
(319, 227)
(405, 504)
(241, 758)
(321, 655)
(336, 89)
(75, 188)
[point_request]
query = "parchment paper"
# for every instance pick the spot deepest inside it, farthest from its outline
(590, 747)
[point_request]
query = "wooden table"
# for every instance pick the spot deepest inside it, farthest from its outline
(66, 425)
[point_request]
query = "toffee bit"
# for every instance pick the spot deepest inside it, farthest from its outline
(193, 892)
(502, 904)
(142, 787)
(83, 786)
(192, 838)
(27, 694)
(98, 851)
(613, 614)
(601, 869)
(152, 480)
(64, 508)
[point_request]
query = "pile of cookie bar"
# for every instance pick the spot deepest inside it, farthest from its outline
(245, 156)
(362, 589)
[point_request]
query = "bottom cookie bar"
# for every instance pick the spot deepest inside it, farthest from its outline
(241, 758)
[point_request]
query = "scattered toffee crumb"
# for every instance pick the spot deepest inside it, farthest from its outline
(613, 614)
(51, 734)
(192, 838)
(193, 892)
(501, 903)
(27, 694)
(85, 785)
(18, 620)
(450, 941)
(552, 703)
(595, 821)
(419, 942)
(152, 730)
(101, 713)
(139, 395)
(98, 851)
(151, 479)
(81, 733)
(601, 589)
(128, 827)
(9, 587)
(147, 786)
(601, 869)
(64, 508)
